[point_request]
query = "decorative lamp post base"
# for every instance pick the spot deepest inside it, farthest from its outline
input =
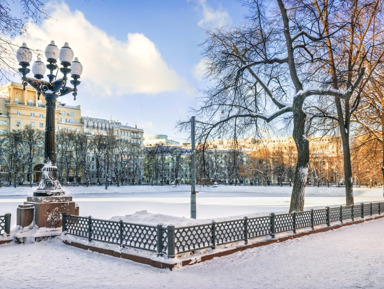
(49, 185)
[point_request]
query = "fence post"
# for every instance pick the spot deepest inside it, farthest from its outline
(171, 241)
(121, 230)
(159, 242)
(353, 212)
(89, 228)
(362, 210)
(64, 222)
(273, 225)
(213, 234)
(341, 214)
(312, 219)
(328, 216)
(294, 222)
(7, 228)
(379, 209)
(246, 230)
(370, 208)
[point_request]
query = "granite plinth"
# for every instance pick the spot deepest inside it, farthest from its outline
(47, 211)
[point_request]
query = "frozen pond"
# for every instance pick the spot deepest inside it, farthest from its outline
(212, 203)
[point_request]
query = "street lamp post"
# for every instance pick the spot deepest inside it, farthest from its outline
(51, 90)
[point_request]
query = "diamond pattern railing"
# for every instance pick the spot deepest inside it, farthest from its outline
(258, 227)
(284, 223)
(5, 224)
(172, 240)
(140, 237)
(229, 232)
(193, 237)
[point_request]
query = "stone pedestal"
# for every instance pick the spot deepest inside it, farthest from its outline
(47, 211)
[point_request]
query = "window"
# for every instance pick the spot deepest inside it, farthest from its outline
(3, 131)
(30, 102)
(41, 124)
(41, 115)
(71, 121)
(60, 127)
(40, 103)
(32, 124)
(32, 114)
(18, 112)
(69, 129)
(18, 123)
(16, 100)
(3, 122)
(77, 130)
(71, 114)
(63, 113)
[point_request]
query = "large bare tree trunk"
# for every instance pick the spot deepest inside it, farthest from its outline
(347, 171)
(302, 145)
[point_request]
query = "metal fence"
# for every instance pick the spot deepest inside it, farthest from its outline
(173, 240)
(5, 224)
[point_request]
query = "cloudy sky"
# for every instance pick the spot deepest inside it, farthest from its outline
(142, 59)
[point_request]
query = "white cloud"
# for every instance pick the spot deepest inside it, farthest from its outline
(110, 66)
(211, 18)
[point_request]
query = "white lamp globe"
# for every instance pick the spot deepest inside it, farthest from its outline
(24, 54)
(66, 54)
(52, 52)
(38, 68)
(76, 68)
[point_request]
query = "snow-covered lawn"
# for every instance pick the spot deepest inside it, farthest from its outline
(350, 257)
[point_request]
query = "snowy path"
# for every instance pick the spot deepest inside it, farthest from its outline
(350, 257)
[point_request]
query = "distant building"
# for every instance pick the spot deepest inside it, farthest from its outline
(92, 126)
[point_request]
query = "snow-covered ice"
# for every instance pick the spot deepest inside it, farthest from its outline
(223, 202)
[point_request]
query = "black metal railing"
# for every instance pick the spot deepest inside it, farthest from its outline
(5, 224)
(173, 240)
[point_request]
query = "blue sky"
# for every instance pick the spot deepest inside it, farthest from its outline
(142, 59)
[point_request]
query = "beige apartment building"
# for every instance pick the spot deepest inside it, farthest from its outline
(317, 145)
(19, 108)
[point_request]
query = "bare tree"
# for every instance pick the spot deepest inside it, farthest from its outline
(265, 69)
(32, 142)
(353, 39)
(13, 18)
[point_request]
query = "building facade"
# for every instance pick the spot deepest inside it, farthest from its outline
(20, 108)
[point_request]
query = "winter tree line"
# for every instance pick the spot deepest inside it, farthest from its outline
(106, 159)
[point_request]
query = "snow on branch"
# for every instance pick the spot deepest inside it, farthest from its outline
(309, 36)
(332, 91)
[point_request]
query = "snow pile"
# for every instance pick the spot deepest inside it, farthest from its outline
(146, 218)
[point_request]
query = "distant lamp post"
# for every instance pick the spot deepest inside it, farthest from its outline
(51, 90)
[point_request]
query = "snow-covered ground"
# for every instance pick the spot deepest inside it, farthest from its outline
(350, 257)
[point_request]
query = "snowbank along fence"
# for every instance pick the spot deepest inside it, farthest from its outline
(172, 240)
(5, 224)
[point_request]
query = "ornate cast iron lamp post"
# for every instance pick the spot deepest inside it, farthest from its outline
(51, 90)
